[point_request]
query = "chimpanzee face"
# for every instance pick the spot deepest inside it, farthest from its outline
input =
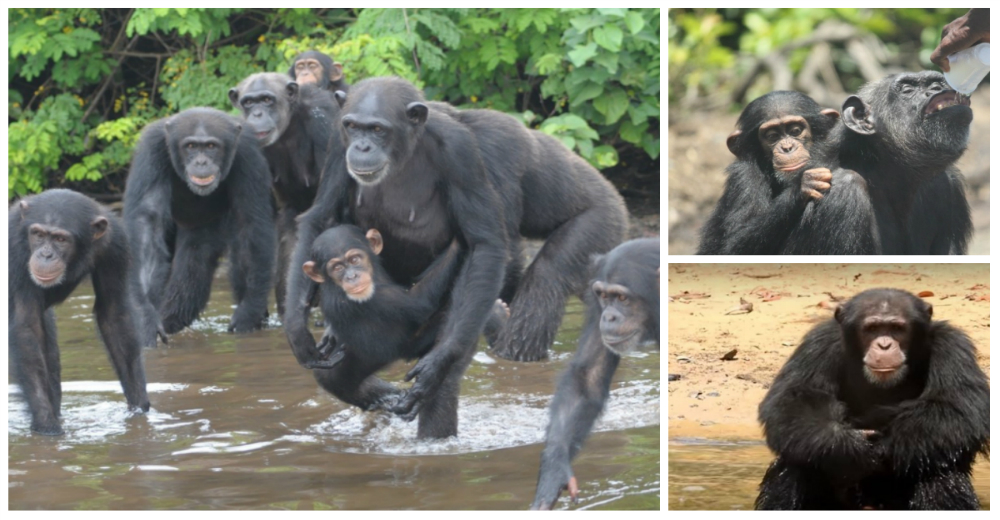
(787, 140)
(882, 327)
(340, 258)
(377, 132)
(623, 317)
(54, 249)
(202, 156)
(266, 102)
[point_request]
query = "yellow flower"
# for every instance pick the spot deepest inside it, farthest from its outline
(261, 39)
(474, 99)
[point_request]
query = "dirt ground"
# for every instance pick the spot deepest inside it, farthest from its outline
(718, 399)
(697, 156)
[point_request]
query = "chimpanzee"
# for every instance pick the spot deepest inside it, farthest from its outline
(879, 408)
(55, 239)
(903, 134)
(778, 196)
(422, 176)
(320, 69)
(376, 321)
(294, 125)
(623, 312)
(198, 187)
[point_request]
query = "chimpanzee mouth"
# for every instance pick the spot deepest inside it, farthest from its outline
(615, 341)
(794, 167)
(202, 181)
(946, 99)
(262, 136)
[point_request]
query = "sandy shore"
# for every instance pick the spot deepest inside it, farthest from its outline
(716, 398)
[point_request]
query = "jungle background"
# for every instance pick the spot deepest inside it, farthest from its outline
(721, 59)
(82, 83)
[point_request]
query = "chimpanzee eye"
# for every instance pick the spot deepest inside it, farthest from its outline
(907, 89)
(377, 129)
(355, 260)
(211, 146)
(795, 130)
(771, 136)
(189, 146)
(61, 239)
(338, 268)
(267, 101)
(622, 297)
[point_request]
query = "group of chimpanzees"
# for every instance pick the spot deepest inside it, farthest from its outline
(879, 181)
(445, 195)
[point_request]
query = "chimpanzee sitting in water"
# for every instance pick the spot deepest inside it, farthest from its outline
(372, 320)
(879, 408)
(55, 240)
(778, 196)
(623, 312)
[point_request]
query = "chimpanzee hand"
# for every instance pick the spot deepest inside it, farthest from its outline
(553, 478)
(430, 372)
(247, 319)
(329, 350)
(965, 31)
(815, 182)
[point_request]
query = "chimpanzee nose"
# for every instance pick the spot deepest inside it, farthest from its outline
(787, 147)
(609, 317)
(884, 344)
(363, 147)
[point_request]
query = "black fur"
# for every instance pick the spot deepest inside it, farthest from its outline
(388, 326)
(178, 235)
(762, 211)
(584, 387)
(907, 158)
(480, 176)
(299, 122)
(930, 425)
(328, 71)
(31, 327)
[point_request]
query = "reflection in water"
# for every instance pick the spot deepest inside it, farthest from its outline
(708, 475)
(235, 423)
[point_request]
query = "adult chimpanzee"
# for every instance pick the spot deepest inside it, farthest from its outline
(320, 69)
(623, 312)
(295, 126)
(199, 186)
(376, 321)
(774, 199)
(424, 174)
(903, 134)
(56, 239)
(878, 408)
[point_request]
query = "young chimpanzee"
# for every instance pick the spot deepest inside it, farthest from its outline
(294, 125)
(623, 312)
(903, 134)
(318, 68)
(55, 240)
(372, 320)
(778, 196)
(199, 186)
(879, 408)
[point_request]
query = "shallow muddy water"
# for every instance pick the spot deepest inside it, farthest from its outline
(235, 423)
(720, 475)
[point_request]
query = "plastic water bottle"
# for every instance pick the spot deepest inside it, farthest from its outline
(968, 68)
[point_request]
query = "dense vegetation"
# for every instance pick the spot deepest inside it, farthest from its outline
(83, 82)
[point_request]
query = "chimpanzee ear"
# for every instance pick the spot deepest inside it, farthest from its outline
(858, 116)
(732, 140)
(310, 269)
(595, 262)
(24, 207)
(831, 113)
(417, 112)
(930, 310)
(838, 314)
(234, 97)
(336, 72)
(100, 227)
(374, 240)
(341, 97)
(292, 89)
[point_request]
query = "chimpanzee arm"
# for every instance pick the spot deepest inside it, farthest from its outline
(328, 209)
(434, 282)
(148, 220)
(804, 422)
(841, 223)
(583, 389)
(115, 313)
(950, 422)
(943, 224)
(252, 253)
(27, 344)
(474, 206)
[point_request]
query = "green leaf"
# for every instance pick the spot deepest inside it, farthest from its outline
(584, 92)
(613, 105)
(582, 53)
(605, 156)
(632, 133)
(634, 22)
(609, 36)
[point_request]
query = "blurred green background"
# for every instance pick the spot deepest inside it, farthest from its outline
(83, 82)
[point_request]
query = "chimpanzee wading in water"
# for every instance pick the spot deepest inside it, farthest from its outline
(198, 187)
(623, 312)
(424, 174)
(55, 239)
(881, 408)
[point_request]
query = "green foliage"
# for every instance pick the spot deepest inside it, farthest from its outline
(84, 82)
